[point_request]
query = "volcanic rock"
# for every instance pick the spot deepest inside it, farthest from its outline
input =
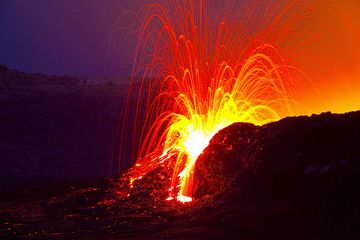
(228, 155)
(276, 157)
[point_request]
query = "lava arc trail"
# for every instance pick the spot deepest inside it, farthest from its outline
(200, 67)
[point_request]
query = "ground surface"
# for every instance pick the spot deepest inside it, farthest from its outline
(295, 179)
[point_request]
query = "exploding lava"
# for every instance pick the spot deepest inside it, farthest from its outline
(197, 71)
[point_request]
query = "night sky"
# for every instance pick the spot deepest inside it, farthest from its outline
(71, 37)
(65, 37)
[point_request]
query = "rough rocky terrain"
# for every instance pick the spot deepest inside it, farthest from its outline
(296, 178)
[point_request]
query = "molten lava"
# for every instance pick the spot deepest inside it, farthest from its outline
(201, 71)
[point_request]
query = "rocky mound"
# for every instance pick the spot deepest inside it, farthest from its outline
(290, 150)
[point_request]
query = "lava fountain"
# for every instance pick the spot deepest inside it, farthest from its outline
(199, 67)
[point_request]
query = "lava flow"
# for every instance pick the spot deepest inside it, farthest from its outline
(200, 67)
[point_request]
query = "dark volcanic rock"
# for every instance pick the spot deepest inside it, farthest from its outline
(308, 167)
(228, 155)
(273, 155)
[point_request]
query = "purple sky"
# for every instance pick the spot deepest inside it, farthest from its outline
(65, 36)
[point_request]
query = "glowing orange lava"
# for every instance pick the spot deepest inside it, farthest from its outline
(201, 71)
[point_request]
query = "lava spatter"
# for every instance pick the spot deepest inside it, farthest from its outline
(201, 69)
